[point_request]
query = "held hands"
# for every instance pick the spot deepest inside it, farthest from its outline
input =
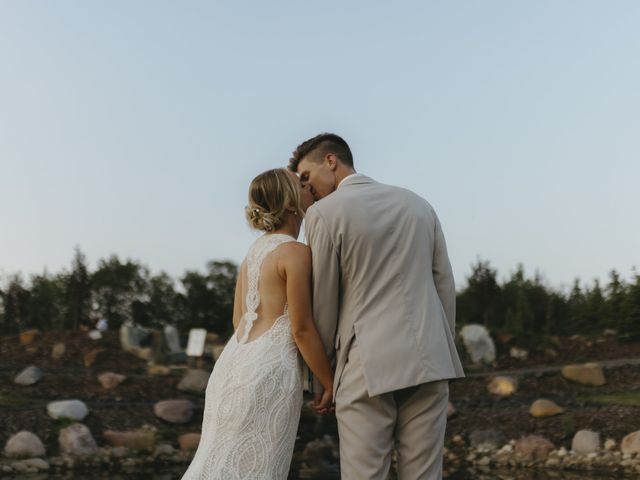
(323, 402)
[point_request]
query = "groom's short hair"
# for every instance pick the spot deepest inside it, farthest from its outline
(318, 147)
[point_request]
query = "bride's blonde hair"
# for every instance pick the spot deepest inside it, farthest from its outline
(272, 196)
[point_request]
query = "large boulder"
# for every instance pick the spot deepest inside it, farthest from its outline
(110, 380)
(77, 440)
(631, 443)
(189, 441)
(194, 380)
(73, 409)
(587, 374)
(502, 386)
(545, 408)
(174, 411)
(28, 376)
(143, 439)
(534, 447)
(585, 441)
(24, 445)
(478, 343)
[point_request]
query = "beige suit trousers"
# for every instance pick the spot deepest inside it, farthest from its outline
(414, 419)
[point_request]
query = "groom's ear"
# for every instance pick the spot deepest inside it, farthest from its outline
(332, 161)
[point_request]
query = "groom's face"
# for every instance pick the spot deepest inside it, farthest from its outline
(319, 176)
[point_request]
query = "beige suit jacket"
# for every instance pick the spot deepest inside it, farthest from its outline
(381, 272)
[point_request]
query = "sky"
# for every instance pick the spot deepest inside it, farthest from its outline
(135, 128)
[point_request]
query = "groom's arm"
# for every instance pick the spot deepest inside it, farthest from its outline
(443, 276)
(326, 282)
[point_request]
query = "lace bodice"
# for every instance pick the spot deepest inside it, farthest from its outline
(258, 252)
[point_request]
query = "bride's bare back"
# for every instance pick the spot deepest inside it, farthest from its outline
(272, 289)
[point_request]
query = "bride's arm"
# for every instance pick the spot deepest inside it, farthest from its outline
(237, 299)
(297, 270)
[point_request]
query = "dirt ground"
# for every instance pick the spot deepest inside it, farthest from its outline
(129, 406)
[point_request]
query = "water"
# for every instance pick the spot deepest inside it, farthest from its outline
(174, 473)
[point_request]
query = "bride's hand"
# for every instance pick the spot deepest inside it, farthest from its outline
(322, 403)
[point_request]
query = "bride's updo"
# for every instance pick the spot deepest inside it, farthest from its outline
(272, 196)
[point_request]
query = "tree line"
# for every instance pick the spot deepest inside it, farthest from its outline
(125, 290)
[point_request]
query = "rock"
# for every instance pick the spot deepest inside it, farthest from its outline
(172, 339)
(90, 357)
(120, 452)
(587, 374)
(478, 343)
(518, 353)
(321, 454)
(545, 408)
(631, 443)
(189, 441)
(163, 449)
(73, 409)
(95, 335)
(451, 410)
(111, 380)
(24, 444)
(58, 351)
(585, 441)
(28, 376)
(131, 336)
(534, 447)
(174, 411)
(610, 444)
(37, 463)
(142, 439)
(29, 336)
(76, 440)
(158, 370)
(194, 381)
(486, 439)
(502, 386)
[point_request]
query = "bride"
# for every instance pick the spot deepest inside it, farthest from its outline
(254, 395)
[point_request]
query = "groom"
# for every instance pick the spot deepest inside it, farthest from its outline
(384, 300)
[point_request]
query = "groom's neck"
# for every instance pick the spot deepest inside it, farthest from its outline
(343, 172)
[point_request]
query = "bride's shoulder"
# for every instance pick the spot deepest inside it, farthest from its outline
(295, 251)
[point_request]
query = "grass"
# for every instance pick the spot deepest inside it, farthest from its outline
(629, 399)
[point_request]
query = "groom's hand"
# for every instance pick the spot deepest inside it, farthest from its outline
(322, 403)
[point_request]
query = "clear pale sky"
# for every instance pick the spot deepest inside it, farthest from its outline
(135, 127)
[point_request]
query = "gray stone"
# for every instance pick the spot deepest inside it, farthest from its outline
(163, 449)
(28, 376)
(194, 381)
(174, 411)
(585, 441)
(131, 336)
(24, 444)
(73, 409)
(172, 339)
(76, 440)
(486, 439)
(478, 343)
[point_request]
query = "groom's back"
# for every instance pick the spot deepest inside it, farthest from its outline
(396, 287)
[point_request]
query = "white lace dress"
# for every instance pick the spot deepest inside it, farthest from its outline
(254, 395)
